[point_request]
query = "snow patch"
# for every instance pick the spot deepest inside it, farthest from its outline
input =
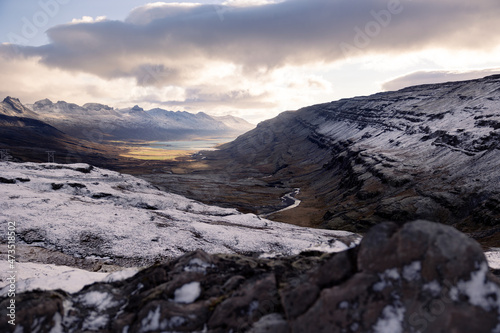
(151, 322)
(33, 276)
(412, 271)
(57, 327)
(479, 290)
(254, 305)
(493, 257)
(99, 300)
(344, 305)
(197, 265)
(95, 322)
(433, 287)
(386, 279)
(392, 274)
(188, 293)
(391, 320)
(329, 247)
(121, 275)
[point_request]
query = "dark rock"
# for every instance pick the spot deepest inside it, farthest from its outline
(101, 195)
(76, 185)
(30, 236)
(396, 268)
(91, 242)
(86, 169)
(144, 205)
(35, 311)
(30, 253)
(23, 180)
(56, 187)
(419, 277)
(7, 180)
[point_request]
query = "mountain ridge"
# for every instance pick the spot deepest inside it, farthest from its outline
(132, 123)
(425, 152)
(28, 138)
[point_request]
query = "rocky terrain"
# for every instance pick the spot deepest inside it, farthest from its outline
(98, 122)
(82, 216)
(420, 277)
(422, 153)
(426, 152)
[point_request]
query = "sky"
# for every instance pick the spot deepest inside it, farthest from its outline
(248, 58)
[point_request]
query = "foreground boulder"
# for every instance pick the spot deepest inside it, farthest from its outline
(421, 277)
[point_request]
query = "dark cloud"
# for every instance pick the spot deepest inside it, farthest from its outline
(428, 77)
(159, 45)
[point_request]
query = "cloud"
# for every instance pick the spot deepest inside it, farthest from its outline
(216, 91)
(184, 38)
(242, 54)
(429, 77)
(89, 19)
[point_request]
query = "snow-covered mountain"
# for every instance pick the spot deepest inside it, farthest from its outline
(235, 123)
(28, 137)
(428, 152)
(97, 120)
(13, 107)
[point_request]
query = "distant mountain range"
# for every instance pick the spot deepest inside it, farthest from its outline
(29, 138)
(100, 122)
(80, 133)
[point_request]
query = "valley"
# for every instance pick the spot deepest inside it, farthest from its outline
(249, 166)
(168, 150)
(342, 187)
(427, 152)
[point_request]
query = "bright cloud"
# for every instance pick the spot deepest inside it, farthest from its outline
(428, 77)
(89, 19)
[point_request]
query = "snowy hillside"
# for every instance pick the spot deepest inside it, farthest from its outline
(429, 152)
(85, 211)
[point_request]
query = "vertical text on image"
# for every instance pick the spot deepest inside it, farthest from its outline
(11, 273)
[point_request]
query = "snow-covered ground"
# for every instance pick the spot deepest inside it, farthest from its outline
(493, 257)
(90, 212)
(452, 127)
(32, 276)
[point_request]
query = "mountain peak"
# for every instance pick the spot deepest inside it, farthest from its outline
(96, 107)
(43, 103)
(8, 99)
(136, 108)
(12, 106)
(15, 103)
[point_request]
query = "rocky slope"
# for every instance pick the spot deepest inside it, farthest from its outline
(87, 212)
(427, 152)
(421, 277)
(101, 122)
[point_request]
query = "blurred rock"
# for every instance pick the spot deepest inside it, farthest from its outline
(420, 277)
